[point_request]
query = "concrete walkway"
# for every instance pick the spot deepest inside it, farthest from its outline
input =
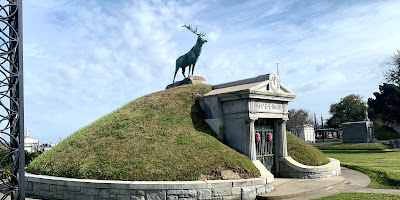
(300, 189)
(286, 188)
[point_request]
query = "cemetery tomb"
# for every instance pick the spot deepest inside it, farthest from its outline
(250, 116)
(30, 144)
(305, 132)
(358, 132)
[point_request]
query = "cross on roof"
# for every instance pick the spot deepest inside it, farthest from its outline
(27, 131)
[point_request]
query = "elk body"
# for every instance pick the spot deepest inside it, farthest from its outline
(191, 57)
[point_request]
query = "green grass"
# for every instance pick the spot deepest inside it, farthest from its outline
(304, 153)
(382, 167)
(385, 133)
(355, 146)
(361, 196)
(159, 137)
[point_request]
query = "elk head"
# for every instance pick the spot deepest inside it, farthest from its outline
(200, 35)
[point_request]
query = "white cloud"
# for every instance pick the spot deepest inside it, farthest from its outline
(214, 35)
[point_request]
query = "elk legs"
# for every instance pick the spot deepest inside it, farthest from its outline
(193, 68)
(183, 71)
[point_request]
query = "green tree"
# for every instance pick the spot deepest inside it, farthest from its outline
(30, 156)
(350, 109)
(297, 118)
(393, 75)
(386, 104)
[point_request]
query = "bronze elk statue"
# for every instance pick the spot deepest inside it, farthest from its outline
(191, 57)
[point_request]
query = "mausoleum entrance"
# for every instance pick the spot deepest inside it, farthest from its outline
(264, 142)
(250, 116)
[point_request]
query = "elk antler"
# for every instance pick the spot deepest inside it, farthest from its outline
(201, 34)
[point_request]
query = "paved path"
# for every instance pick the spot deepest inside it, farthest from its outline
(300, 189)
(354, 182)
(287, 188)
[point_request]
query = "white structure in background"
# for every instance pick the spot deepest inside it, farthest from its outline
(46, 146)
(30, 145)
(305, 132)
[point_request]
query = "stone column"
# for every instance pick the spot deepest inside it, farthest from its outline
(282, 125)
(281, 150)
(277, 145)
(280, 142)
(252, 140)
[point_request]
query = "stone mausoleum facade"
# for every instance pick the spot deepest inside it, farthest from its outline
(250, 116)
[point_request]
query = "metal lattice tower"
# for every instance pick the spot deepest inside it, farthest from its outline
(12, 161)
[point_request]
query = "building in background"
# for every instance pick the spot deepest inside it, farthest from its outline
(358, 132)
(44, 147)
(30, 144)
(304, 132)
(328, 133)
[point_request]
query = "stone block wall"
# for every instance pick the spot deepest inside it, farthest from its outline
(49, 187)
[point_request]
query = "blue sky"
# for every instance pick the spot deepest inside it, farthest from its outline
(84, 59)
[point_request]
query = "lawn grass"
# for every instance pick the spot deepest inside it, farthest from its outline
(158, 137)
(360, 196)
(355, 146)
(304, 153)
(382, 167)
(385, 132)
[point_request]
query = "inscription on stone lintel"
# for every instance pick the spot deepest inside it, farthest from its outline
(274, 107)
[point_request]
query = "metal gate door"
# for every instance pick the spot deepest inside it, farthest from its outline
(265, 146)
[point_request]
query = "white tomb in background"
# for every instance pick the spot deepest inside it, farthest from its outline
(30, 145)
(305, 132)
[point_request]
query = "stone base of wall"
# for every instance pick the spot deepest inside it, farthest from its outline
(292, 169)
(49, 187)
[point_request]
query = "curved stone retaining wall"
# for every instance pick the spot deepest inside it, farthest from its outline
(50, 187)
(288, 167)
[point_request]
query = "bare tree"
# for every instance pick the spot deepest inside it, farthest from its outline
(393, 75)
(298, 118)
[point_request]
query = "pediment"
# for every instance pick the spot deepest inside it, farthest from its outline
(273, 86)
(266, 86)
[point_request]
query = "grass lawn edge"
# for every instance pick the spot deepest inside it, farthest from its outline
(378, 179)
(360, 195)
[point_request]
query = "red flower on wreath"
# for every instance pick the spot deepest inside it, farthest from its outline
(258, 137)
(269, 137)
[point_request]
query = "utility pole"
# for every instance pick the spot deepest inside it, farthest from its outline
(322, 127)
(315, 122)
(315, 125)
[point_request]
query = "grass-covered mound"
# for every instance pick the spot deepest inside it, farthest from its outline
(159, 137)
(385, 132)
(304, 153)
(355, 146)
